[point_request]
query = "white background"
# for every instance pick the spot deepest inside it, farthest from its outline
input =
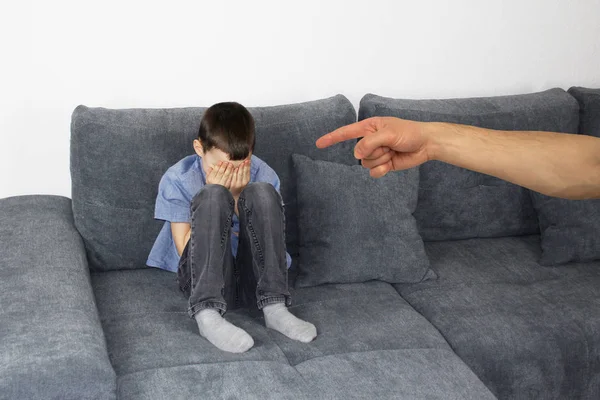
(58, 54)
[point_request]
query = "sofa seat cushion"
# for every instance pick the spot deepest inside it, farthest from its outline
(155, 347)
(145, 320)
(394, 374)
(526, 330)
(223, 380)
(390, 374)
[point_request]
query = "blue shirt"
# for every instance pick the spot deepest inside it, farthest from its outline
(176, 189)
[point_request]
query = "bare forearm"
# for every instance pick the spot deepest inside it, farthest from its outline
(180, 245)
(556, 164)
(187, 238)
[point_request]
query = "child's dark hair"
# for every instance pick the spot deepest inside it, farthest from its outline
(228, 127)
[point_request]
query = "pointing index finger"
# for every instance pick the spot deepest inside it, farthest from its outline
(352, 131)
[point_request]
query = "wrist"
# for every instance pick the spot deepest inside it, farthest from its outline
(438, 138)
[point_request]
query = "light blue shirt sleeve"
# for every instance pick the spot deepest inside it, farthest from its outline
(276, 183)
(268, 174)
(172, 201)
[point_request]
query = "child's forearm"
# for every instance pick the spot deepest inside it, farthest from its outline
(181, 232)
(186, 238)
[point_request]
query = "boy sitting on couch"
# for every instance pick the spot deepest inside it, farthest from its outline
(224, 232)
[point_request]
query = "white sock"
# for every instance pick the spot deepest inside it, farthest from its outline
(278, 317)
(222, 333)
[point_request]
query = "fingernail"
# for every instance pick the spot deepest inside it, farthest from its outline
(357, 153)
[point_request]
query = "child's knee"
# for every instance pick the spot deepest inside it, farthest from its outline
(212, 193)
(260, 191)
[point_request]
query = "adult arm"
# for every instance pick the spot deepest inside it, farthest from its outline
(555, 164)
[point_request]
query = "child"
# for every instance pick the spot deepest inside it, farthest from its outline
(224, 232)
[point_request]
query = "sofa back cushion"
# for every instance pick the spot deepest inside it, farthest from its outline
(455, 203)
(118, 157)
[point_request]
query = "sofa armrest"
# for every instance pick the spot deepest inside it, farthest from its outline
(51, 342)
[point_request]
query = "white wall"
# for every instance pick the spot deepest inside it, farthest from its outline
(58, 54)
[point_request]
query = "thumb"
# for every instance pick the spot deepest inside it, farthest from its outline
(382, 138)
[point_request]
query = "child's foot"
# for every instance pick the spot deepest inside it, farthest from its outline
(278, 317)
(222, 333)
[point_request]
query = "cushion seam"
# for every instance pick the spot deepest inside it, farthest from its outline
(459, 285)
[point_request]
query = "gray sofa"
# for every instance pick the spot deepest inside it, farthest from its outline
(82, 317)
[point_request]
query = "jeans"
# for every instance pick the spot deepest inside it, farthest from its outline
(209, 274)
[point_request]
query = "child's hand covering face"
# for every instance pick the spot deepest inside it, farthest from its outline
(233, 178)
(219, 174)
(240, 178)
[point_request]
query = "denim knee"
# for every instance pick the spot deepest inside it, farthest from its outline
(261, 193)
(218, 194)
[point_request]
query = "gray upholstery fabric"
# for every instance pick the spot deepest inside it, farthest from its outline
(51, 342)
(397, 374)
(119, 156)
(355, 318)
(570, 229)
(526, 330)
(157, 351)
(353, 228)
(456, 203)
(511, 260)
(147, 326)
(589, 109)
(248, 380)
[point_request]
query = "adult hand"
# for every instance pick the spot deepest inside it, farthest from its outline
(388, 143)
(240, 178)
(526, 158)
(220, 174)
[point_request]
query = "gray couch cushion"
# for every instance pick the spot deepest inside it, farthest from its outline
(136, 341)
(246, 380)
(399, 374)
(51, 341)
(357, 317)
(395, 374)
(570, 229)
(364, 330)
(119, 156)
(353, 228)
(456, 203)
(527, 331)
